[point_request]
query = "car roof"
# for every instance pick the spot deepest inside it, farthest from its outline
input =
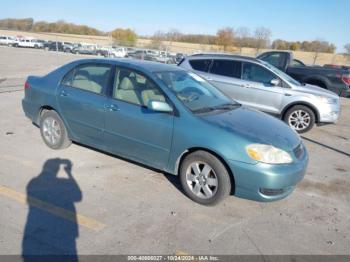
(223, 56)
(149, 66)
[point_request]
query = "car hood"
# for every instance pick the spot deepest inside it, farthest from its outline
(315, 90)
(255, 127)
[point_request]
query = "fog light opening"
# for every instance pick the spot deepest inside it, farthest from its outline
(271, 192)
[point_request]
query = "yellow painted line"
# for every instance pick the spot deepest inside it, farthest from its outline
(57, 211)
(181, 253)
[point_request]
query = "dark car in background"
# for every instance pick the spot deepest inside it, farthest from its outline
(59, 46)
(143, 55)
(332, 78)
(84, 49)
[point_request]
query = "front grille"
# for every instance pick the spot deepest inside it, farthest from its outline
(298, 151)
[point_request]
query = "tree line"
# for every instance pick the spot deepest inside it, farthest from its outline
(308, 46)
(122, 36)
(228, 38)
(28, 24)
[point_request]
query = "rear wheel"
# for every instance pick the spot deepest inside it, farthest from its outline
(53, 130)
(204, 178)
(300, 118)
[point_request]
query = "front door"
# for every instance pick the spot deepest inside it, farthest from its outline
(132, 129)
(260, 93)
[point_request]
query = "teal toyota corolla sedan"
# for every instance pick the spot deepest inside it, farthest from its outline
(170, 119)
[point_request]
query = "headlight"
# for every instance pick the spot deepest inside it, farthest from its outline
(268, 154)
(327, 100)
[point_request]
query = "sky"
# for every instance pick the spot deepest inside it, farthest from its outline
(290, 20)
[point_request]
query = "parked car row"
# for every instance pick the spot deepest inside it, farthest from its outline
(93, 49)
(21, 42)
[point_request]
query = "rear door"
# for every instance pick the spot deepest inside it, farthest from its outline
(260, 93)
(225, 75)
(81, 97)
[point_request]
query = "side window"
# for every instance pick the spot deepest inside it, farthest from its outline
(135, 88)
(200, 64)
(93, 78)
(257, 73)
(226, 68)
(296, 62)
(275, 59)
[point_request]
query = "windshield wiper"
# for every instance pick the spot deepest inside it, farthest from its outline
(227, 106)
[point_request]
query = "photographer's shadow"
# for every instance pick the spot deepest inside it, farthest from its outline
(51, 227)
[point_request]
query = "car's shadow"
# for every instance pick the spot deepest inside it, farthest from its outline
(326, 146)
(174, 180)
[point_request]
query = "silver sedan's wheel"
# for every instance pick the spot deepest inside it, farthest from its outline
(299, 120)
(202, 180)
(51, 130)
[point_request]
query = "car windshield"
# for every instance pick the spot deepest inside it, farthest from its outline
(281, 74)
(196, 93)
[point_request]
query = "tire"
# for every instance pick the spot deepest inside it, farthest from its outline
(53, 131)
(219, 185)
(300, 118)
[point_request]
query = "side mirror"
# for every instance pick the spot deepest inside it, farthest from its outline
(159, 106)
(275, 82)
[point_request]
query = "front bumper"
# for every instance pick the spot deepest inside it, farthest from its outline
(329, 113)
(346, 92)
(265, 182)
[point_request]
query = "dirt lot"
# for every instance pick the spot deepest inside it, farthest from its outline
(112, 206)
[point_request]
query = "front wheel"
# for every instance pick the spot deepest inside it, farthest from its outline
(53, 131)
(300, 118)
(204, 178)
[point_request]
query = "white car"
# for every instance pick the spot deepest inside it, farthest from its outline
(7, 40)
(118, 52)
(30, 43)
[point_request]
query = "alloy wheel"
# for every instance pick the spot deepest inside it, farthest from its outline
(299, 120)
(51, 130)
(201, 180)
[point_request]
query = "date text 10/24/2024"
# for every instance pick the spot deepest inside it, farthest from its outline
(173, 258)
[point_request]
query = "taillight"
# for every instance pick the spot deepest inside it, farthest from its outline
(346, 79)
(26, 85)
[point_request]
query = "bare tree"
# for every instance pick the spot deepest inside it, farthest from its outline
(242, 37)
(262, 37)
(157, 40)
(225, 37)
(347, 48)
(173, 35)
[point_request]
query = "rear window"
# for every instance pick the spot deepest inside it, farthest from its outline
(228, 68)
(89, 77)
(200, 64)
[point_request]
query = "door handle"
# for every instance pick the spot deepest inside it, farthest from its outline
(112, 108)
(246, 85)
(64, 93)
